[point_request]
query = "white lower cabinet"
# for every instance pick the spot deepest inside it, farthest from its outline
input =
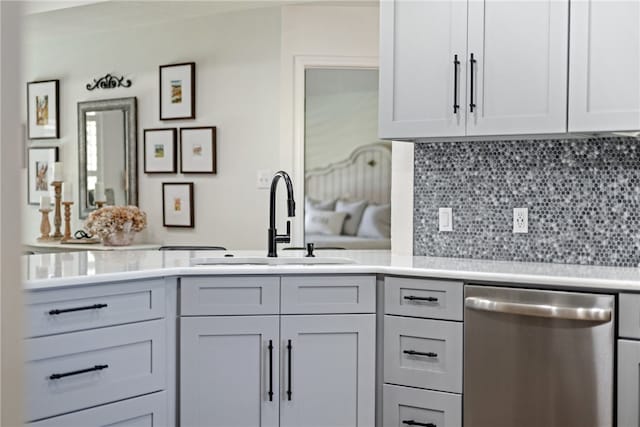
(145, 411)
(628, 383)
(228, 367)
(404, 407)
(328, 369)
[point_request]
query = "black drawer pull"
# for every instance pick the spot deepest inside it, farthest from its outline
(472, 64)
(429, 299)
(270, 370)
(71, 310)
(81, 371)
(456, 64)
(415, 423)
(289, 391)
(419, 353)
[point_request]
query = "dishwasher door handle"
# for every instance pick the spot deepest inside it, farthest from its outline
(589, 314)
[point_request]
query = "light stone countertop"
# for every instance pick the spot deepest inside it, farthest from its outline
(49, 271)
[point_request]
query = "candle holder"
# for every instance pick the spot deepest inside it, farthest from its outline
(45, 226)
(67, 221)
(100, 203)
(57, 217)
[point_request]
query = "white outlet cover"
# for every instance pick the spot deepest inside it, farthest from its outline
(520, 220)
(445, 219)
(264, 177)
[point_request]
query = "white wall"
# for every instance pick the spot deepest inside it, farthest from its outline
(238, 76)
(11, 309)
(341, 114)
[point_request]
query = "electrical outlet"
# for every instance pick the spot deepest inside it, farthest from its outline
(264, 177)
(445, 219)
(520, 220)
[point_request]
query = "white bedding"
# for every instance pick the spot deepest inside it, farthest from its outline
(348, 242)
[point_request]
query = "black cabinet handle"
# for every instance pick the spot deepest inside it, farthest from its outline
(270, 370)
(81, 371)
(419, 353)
(456, 63)
(428, 299)
(289, 348)
(71, 310)
(472, 63)
(415, 423)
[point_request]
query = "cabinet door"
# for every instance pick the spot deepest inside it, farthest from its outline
(418, 44)
(519, 77)
(227, 371)
(628, 383)
(604, 91)
(328, 371)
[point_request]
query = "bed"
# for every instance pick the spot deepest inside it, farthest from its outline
(347, 203)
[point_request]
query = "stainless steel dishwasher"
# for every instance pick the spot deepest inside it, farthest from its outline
(537, 358)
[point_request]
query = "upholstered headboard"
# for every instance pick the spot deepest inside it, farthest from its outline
(364, 175)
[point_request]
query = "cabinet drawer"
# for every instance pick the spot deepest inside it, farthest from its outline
(630, 315)
(436, 299)
(75, 309)
(401, 405)
(423, 353)
(145, 411)
(75, 371)
(328, 294)
(209, 296)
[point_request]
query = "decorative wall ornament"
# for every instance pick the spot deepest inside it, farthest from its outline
(109, 82)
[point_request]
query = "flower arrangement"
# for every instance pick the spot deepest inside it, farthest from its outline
(116, 225)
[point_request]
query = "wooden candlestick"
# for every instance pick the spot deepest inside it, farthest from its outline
(67, 221)
(57, 217)
(45, 226)
(100, 203)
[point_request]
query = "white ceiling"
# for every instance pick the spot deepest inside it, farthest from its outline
(47, 19)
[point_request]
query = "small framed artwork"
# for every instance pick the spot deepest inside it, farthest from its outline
(40, 172)
(178, 91)
(43, 109)
(177, 204)
(198, 150)
(160, 150)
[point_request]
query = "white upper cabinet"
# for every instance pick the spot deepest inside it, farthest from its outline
(604, 75)
(512, 73)
(419, 79)
(518, 75)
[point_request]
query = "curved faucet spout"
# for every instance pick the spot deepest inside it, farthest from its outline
(273, 236)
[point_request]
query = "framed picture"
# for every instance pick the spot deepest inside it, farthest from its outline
(178, 91)
(160, 150)
(40, 172)
(43, 109)
(198, 150)
(177, 204)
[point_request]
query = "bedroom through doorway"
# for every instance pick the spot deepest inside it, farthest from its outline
(347, 169)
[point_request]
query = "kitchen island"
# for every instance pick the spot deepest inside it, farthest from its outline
(147, 336)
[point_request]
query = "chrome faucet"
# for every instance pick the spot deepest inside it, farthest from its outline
(274, 237)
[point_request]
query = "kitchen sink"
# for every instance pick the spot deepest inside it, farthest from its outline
(271, 261)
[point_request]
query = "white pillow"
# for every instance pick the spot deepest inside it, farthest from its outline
(319, 205)
(376, 222)
(354, 212)
(323, 222)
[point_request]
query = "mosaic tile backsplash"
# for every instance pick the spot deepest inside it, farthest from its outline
(583, 198)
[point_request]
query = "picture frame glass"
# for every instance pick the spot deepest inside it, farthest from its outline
(197, 150)
(177, 92)
(178, 205)
(42, 105)
(40, 173)
(159, 151)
